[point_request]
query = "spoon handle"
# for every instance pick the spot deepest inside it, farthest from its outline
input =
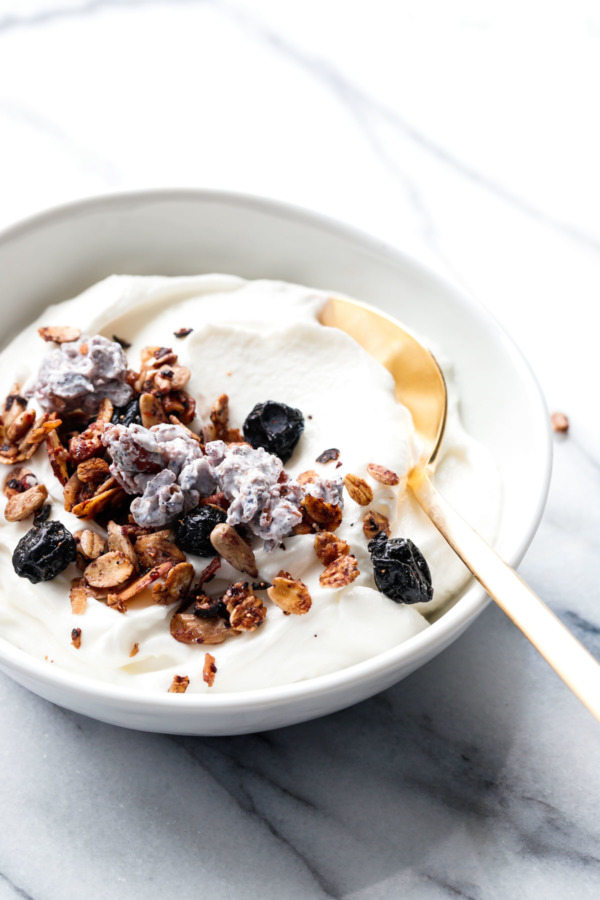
(569, 659)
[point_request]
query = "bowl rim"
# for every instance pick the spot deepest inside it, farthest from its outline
(426, 643)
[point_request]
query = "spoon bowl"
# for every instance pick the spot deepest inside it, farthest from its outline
(420, 386)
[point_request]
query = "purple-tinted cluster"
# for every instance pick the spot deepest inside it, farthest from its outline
(79, 374)
(168, 468)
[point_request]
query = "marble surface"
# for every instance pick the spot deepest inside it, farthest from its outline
(466, 134)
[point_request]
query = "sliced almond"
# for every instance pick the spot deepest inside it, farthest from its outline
(118, 540)
(93, 471)
(246, 610)
(141, 583)
(91, 544)
(326, 515)
(210, 670)
(59, 334)
(89, 508)
(329, 547)
(189, 629)
(179, 684)
(109, 570)
(359, 490)
(290, 594)
(176, 585)
(341, 572)
(233, 549)
(151, 411)
(383, 475)
(20, 426)
(78, 596)
(375, 522)
(20, 506)
(105, 411)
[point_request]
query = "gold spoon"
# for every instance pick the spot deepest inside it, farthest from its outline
(420, 386)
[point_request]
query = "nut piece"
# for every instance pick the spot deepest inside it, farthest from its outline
(290, 594)
(18, 481)
(189, 629)
(22, 505)
(59, 334)
(358, 489)
(559, 422)
(91, 544)
(21, 425)
(118, 540)
(58, 456)
(156, 548)
(327, 515)
(135, 650)
(341, 572)
(246, 610)
(76, 638)
(210, 670)
(375, 522)
(109, 570)
(381, 474)
(329, 547)
(140, 584)
(179, 685)
(151, 411)
(175, 586)
(233, 549)
(93, 471)
(78, 596)
(87, 509)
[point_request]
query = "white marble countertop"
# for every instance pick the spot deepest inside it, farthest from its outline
(465, 133)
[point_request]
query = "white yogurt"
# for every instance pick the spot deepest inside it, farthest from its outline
(255, 341)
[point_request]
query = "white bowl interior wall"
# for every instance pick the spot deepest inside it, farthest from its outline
(58, 254)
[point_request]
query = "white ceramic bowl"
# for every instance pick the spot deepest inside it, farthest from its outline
(57, 254)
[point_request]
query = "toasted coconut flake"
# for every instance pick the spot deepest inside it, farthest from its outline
(246, 611)
(20, 506)
(328, 547)
(210, 670)
(93, 471)
(109, 571)
(234, 549)
(359, 490)
(59, 334)
(383, 475)
(375, 522)
(341, 572)
(327, 516)
(141, 583)
(290, 594)
(176, 585)
(189, 629)
(151, 411)
(91, 544)
(179, 685)
(152, 549)
(78, 596)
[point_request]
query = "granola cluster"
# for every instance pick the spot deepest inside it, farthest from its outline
(152, 489)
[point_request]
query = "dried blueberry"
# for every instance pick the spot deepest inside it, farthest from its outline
(44, 551)
(128, 415)
(275, 427)
(192, 532)
(400, 570)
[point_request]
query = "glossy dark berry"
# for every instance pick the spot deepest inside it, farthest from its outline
(42, 514)
(44, 551)
(192, 532)
(400, 570)
(127, 415)
(275, 427)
